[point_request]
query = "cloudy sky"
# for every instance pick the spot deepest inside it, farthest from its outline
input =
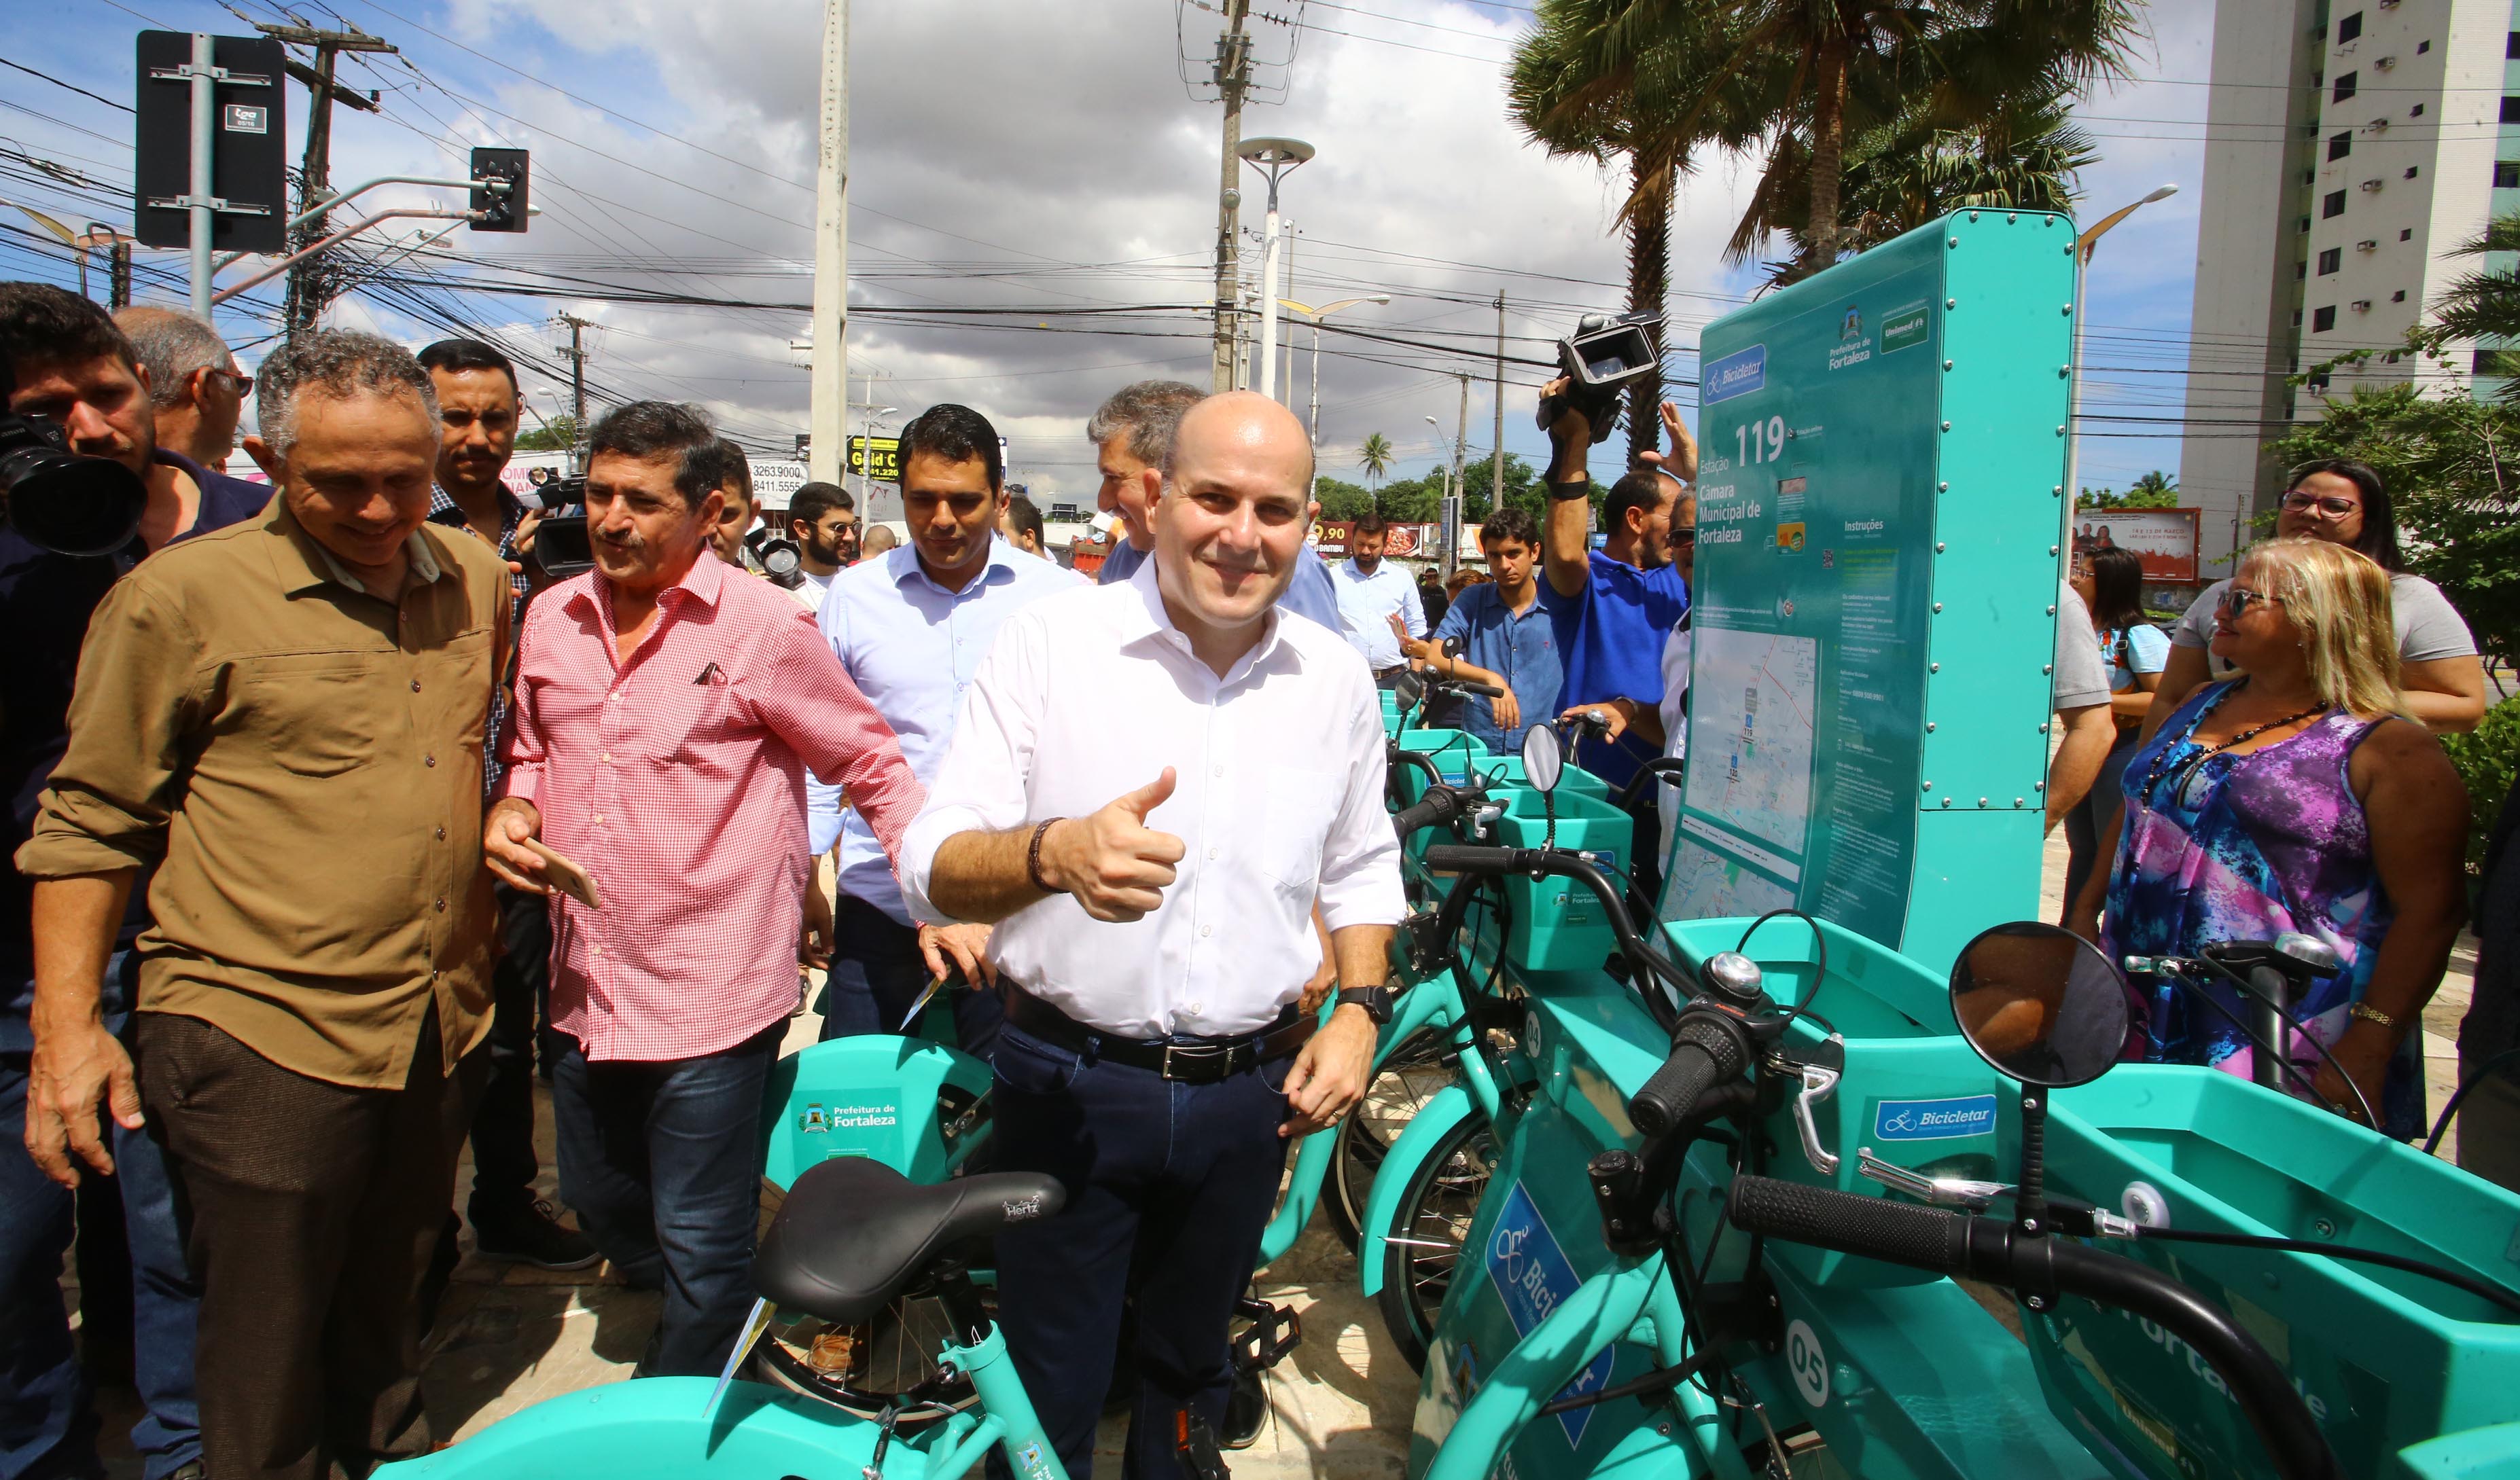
(1049, 158)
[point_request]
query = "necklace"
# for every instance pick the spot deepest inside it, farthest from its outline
(2189, 768)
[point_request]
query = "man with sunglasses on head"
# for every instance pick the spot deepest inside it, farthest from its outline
(194, 383)
(2345, 503)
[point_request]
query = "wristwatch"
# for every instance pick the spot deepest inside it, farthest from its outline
(1580, 489)
(1375, 1000)
(2371, 1015)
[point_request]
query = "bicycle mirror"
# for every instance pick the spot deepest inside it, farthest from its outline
(2041, 1005)
(1543, 762)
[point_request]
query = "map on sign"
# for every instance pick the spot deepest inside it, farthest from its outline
(1702, 884)
(1752, 698)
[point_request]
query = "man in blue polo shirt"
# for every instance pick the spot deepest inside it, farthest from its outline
(1507, 637)
(61, 357)
(1615, 606)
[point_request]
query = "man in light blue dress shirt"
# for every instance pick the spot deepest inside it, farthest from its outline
(911, 626)
(1131, 434)
(1371, 591)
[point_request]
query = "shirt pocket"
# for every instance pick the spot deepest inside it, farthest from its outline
(685, 724)
(1297, 807)
(316, 714)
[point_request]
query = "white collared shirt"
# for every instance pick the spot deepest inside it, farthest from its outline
(1278, 801)
(1367, 604)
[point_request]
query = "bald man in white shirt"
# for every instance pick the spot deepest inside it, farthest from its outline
(1153, 884)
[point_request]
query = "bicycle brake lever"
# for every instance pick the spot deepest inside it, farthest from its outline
(1942, 1192)
(1819, 1081)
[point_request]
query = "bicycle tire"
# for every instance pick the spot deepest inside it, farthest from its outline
(900, 1369)
(1434, 1220)
(1398, 1092)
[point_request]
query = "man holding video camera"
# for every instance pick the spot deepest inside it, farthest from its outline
(478, 409)
(1615, 606)
(62, 358)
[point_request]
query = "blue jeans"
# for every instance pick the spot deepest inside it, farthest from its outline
(1168, 1188)
(878, 973)
(662, 1163)
(47, 1425)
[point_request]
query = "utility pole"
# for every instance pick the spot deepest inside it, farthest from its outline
(309, 281)
(119, 288)
(577, 328)
(827, 454)
(1286, 373)
(1233, 74)
(1451, 520)
(1496, 485)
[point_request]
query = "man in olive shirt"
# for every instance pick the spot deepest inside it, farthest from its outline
(286, 717)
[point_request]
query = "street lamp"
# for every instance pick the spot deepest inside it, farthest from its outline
(1274, 158)
(1316, 315)
(2084, 245)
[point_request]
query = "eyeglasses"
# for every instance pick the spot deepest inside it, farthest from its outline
(2330, 506)
(1687, 536)
(2235, 601)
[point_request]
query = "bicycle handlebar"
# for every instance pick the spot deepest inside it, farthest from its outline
(1440, 804)
(1950, 1243)
(1705, 1052)
(1465, 857)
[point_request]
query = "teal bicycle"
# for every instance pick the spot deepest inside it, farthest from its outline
(1651, 1277)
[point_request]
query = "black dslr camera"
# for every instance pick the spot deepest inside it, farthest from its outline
(61, 501)
(777, 558)
(1601, 359)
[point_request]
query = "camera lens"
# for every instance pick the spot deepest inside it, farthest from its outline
(62, 502)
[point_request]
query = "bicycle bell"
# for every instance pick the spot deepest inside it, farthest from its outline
(1733, 978)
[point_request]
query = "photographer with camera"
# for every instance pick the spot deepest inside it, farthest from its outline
(1614, 607)
(478, 409)
(62, 359)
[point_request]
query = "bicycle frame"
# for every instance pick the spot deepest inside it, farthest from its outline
(665, 1428)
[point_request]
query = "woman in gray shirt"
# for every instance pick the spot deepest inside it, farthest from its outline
(2343, 503)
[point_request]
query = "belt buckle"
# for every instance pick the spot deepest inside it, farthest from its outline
(1194, 1053)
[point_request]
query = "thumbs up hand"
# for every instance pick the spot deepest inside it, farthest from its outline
(1114, 864)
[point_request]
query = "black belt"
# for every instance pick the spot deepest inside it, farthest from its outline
(1188, 1060)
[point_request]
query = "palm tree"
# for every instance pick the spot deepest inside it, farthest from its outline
(1559, 95)
(2483, 305)
(1374, 457)
(1908, 171)
(1807, 78)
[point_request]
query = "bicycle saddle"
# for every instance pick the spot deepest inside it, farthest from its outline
(854, 1233)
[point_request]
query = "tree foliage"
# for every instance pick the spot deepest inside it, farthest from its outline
(2452, 470)
(2484, 304)
(558, 434)
(2154, 490)
(1374, 457)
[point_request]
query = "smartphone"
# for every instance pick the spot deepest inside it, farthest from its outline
(567, 877)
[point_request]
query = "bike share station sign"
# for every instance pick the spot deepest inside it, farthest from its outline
(1873, 606)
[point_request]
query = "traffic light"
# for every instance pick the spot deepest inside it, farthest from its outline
(499, 209)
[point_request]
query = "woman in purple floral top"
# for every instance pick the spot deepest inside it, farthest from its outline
(2297, 796)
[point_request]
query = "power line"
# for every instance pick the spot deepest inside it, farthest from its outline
(72, 86)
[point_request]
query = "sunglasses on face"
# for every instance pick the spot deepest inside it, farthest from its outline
(2330, 506)
(2235, 602)
(1686, 536)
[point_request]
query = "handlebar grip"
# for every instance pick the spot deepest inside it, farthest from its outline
(1703, 1054)
(1440, 804)
(1491, 690)
(1895, 1233)
(1467, 858)
(1675, 1089)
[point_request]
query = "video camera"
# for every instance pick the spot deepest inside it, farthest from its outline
(1602, 358)
(561, 545)
(59, 500)
(779, 558)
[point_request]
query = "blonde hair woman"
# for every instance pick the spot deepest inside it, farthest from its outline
(2299, 795)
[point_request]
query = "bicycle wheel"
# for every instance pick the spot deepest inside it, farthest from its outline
(1425, 1242)
(1408, 1077)
(861, 1370)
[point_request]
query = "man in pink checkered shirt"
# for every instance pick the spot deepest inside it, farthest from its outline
(668, 709)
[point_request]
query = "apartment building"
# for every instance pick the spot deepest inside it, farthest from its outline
(2351, 147)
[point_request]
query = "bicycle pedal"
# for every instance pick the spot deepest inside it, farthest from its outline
(1275, 1330)
(1194, 1444)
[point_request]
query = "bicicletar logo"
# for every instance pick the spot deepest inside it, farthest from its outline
(1934, 1119)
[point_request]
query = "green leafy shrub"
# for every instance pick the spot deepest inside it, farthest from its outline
(2486, 760)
